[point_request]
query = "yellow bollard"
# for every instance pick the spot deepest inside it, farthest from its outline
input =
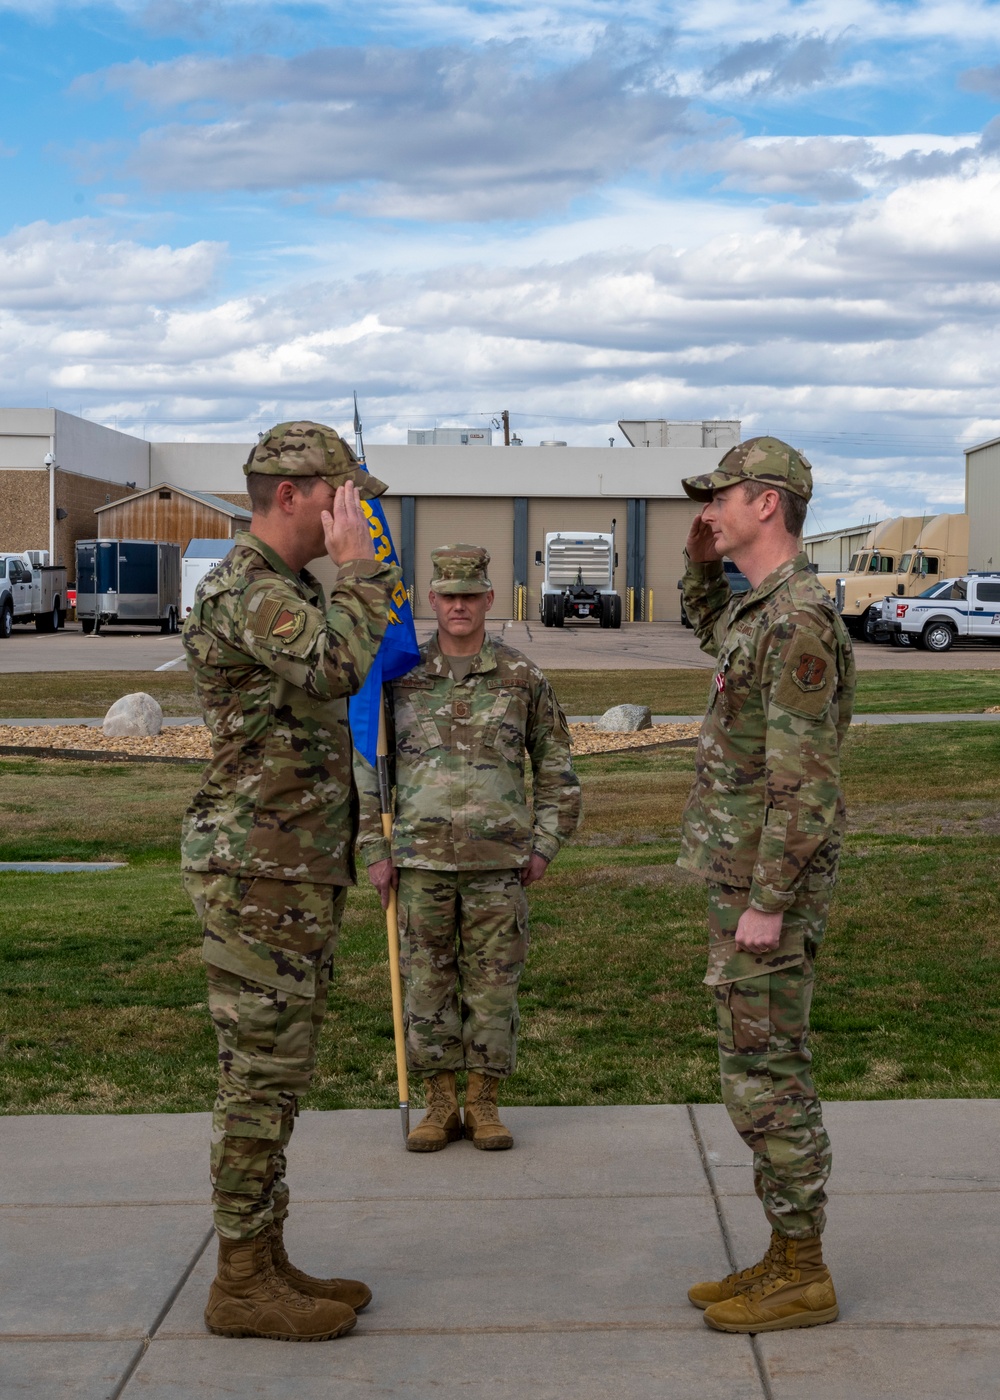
(650, 615)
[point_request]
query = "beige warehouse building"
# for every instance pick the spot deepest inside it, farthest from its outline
(58, 473)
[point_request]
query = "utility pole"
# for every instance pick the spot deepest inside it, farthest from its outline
(505, 417)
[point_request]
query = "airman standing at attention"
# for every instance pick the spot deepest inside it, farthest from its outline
(268, 845)
(764, 826)
(465, 843)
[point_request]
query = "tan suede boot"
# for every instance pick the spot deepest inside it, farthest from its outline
(351, 1291)
(703, 1295)
(482, 1121)
(441, 1123)
(249, 1299)
(795, 1291)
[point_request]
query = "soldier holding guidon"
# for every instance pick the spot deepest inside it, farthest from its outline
(268, 844)
(465, 843)
(764, 826)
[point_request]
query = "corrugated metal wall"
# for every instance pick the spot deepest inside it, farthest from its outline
(982, 501)
(667, 525)
(485, 520)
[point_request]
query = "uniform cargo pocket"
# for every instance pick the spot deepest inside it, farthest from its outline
(729, 963)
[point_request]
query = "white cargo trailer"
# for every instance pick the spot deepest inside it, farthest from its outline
(198, 558)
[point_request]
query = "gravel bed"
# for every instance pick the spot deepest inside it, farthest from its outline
(190, 741)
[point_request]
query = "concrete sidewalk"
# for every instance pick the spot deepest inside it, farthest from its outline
(557, 1271)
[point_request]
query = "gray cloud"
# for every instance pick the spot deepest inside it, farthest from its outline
(780, 63)
(981, 80)
(445, 132)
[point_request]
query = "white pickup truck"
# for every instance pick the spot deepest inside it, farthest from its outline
(967, 607)
(31, 591)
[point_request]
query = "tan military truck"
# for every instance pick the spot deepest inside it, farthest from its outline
(859, 592)
(941, 550)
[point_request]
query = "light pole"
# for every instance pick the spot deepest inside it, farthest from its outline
(50, 462)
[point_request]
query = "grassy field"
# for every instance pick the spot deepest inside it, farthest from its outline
(86, 694)
(102, 990)
(683, 692)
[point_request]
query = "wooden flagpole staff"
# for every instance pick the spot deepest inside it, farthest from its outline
(392, 927)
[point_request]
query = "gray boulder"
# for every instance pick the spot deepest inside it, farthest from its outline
(133, 717)
(626, 719)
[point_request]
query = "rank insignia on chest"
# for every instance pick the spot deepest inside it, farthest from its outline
(287, 625)
(810, 673)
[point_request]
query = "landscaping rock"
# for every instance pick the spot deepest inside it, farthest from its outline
(625, 719)
(135, 716)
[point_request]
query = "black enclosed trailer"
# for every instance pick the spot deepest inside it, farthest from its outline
(132, 583)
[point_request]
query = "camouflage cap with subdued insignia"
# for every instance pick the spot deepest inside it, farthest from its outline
(310, 449)
(460, 568)
(766, 459)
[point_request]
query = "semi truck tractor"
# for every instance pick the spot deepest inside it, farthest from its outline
(940, 550)
(128, 583)
(579, 578)
(867, 577)
(31, 590)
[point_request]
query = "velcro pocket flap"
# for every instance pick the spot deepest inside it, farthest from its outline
(729, 963)
(255, 961)
(254, 1120)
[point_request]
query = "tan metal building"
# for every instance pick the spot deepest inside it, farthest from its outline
(982, 502)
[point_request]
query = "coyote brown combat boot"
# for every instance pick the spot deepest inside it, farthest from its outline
(703, 1295)
(441, 1123)
(352, 1291)
(248, 1299)
(795, 1291)
(482, 1122)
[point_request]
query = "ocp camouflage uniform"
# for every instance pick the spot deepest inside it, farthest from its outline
(267, 845)
(764, 826)
(462, 831)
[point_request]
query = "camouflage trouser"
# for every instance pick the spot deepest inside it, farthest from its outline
(762, 1009)
(463, 941)
(269, 947)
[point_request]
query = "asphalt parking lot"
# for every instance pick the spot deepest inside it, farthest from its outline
(581, 646)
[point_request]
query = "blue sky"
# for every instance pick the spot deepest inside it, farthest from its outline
(218, 215)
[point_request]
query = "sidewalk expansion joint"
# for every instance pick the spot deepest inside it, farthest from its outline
(158, 1321)
(727, 1240)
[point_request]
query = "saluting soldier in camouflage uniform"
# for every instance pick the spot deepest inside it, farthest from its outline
(268, 844)
(464, 845)
(764, 826)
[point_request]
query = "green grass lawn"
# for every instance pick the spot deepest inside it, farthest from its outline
(88, 694)
(102, 990)
(683, 692)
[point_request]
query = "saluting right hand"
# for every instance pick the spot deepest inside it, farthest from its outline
(700, 543)
(345, 532)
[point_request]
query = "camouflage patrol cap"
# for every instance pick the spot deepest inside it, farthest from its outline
(460, 568)
(310, 449)
(766, 459)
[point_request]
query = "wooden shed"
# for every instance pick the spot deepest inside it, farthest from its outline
(171, 514)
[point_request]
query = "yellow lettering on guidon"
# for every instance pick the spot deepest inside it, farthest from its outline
(383, 546)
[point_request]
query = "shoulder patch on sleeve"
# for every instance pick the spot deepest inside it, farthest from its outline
(264, 613)
(288, 624)
(808, 679)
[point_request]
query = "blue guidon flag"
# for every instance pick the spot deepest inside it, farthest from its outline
(399, 651)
